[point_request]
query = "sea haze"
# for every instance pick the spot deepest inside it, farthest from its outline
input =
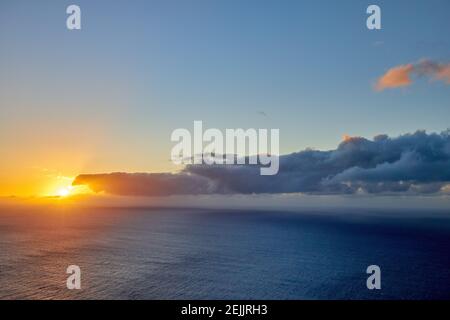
(154, 253)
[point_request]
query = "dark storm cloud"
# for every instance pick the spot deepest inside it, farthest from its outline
(411, 163)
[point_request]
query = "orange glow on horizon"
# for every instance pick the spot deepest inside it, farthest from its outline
(68, 191)
(49, 186)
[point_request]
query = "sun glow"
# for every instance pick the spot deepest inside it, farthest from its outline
(62, 187)
(64, 192)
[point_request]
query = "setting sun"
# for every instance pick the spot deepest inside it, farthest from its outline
(64, 192)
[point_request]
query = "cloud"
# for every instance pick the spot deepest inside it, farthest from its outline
(396, 77)
(417, 163)
(401, 76)
(145, 184)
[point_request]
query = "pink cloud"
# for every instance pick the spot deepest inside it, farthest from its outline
(401, 76)
(395, 77)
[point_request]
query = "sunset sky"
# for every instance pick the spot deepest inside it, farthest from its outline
(106, 98)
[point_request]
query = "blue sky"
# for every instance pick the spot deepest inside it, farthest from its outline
(137, 70)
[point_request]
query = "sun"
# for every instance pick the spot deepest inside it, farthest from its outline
(64, 192)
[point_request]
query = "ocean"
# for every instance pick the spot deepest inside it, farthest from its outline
(161, 253)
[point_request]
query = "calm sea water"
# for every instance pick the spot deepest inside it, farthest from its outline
(211, 254)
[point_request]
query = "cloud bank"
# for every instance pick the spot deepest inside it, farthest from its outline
(417, 163)
(401, 76)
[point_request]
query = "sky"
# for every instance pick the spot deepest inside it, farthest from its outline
(107, 97)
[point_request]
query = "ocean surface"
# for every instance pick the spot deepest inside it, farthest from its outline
(142, 253)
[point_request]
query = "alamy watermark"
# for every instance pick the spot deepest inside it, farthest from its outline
(236, 146)
(373, 22)
(74, 280)
(374, 280)
(73, 21)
